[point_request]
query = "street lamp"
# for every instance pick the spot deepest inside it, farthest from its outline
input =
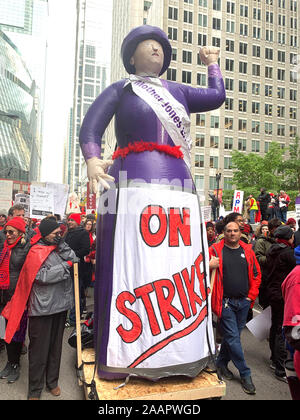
(218, 177)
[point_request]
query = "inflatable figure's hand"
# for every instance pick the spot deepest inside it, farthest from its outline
(209, 55)
(96, 171)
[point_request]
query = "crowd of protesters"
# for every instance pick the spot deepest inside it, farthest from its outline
(37, 296)
(266, 206)
(36, 290)
(270, 252)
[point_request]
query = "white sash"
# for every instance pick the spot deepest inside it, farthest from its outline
(170, 112)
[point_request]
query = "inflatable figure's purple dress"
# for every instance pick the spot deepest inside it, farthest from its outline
(135, 310)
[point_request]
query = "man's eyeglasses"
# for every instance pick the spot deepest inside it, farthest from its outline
(9, 232)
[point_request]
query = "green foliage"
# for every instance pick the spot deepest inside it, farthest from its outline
(252, 172)
(291, 166)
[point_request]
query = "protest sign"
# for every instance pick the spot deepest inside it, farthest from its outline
(6, 188)
(23, 199)
(41, 202)
(237, 205)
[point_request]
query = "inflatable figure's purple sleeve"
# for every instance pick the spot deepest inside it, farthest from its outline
(97, 119)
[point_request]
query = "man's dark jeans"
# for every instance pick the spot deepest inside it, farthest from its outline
(233, 320)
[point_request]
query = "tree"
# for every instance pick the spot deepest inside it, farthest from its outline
(291, 166)
(252, 171)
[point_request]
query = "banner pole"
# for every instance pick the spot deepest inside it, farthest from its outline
(78, 325)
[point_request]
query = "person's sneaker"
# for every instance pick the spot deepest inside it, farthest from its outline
(248, 385)
(6, 371)
(281, 377)
(272, 366)
(14, 374)
(225, 372)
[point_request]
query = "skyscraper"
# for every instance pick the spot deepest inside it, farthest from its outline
(92, 66)
(25, 24)
(259, 43)
(18, 115)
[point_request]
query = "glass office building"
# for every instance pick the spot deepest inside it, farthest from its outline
(17, 115)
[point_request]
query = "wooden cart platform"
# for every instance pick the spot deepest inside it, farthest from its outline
(205, 385)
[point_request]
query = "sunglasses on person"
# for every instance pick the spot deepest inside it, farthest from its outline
(9, 232)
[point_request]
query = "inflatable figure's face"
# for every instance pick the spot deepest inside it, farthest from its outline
(148, 57)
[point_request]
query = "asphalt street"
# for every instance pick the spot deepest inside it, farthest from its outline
(256, 354)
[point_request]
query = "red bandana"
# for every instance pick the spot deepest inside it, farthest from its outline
(4, 264)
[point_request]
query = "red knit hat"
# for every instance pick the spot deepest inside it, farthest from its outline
(17, 223)
(76, 217)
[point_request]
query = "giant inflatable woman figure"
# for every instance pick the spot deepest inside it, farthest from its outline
(152, 316)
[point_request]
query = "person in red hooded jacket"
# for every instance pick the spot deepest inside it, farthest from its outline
(235, 289)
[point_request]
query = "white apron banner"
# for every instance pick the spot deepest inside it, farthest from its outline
(158, 315)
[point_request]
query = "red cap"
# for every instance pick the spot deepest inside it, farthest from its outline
(76, 217)
(17, 223)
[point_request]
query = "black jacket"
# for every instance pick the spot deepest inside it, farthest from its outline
(297, 238)
(280, 262)
(264, 199)
(78, 239)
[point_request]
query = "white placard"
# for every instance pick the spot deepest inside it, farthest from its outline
(6, 188)
(23, 199)
(60, 195)
(260, 325)
(41, 202)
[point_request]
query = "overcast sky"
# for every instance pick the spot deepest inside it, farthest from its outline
(59, 86)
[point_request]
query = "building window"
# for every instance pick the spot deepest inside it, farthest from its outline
(187, 57)
(186, 76)
(255, 127)
(187, 37)
(214, 142)
(229, 104)
(268, 91)
(255, 146)
(255, 107)
(200, 140)
(172, 33)
(268, 109)
(201, 79)
(173, 13)
(242, 125)
(268, 128)
(242, 145)
(200, 120)
(216, 24)
(242, 105)
(202, 20)
(243, 48)
(187, 16)
(214, 121)
(171, 74)
(280, 130)
(228, 123)
(255, 88)
(228, 143)
(199, 182)
(227, 162)
(280, 111)
(214, 162)
(199, 161)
